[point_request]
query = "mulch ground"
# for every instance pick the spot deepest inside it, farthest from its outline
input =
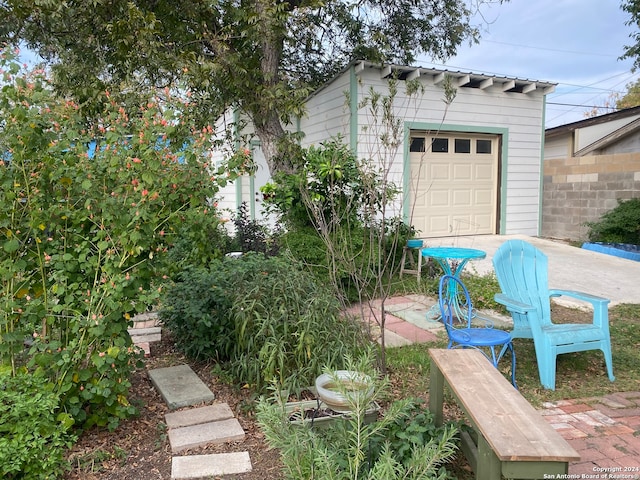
(139, 447)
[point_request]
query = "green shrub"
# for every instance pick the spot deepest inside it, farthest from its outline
(270, 319)
(198, 240)
(354, 242)
(306, 246)
(197, 310)
(94, 391)
(33, 435)
(330, 175)
(620, 225)
(83, 239)
(414, 428)
(252, 235)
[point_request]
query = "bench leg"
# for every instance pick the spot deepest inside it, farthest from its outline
(488, 466)
(436, 394)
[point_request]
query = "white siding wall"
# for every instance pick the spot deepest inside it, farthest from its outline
(474, 110)
(327, 113)
(558, 147)
(371, 127)
(245, 188)
(226, 196)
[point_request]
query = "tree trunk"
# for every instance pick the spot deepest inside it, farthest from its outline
(271, 135)
(265, 115)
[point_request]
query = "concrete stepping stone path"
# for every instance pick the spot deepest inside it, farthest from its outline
(196, 416)
(207, 466)
(195, 427)
(145, 330)
(221, 431)
(150, 334)
(180, 387)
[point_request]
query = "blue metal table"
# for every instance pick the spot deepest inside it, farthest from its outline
(452, 260)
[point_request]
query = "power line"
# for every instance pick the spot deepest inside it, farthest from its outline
(591, 85)
(573, 52)
(574, 105)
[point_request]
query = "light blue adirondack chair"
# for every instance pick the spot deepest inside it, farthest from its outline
(521, 270)
(466, 330)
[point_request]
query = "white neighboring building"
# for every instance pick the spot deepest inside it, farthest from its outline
(470, 167)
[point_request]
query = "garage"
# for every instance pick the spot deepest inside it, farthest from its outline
(454, 183)
(465, 164)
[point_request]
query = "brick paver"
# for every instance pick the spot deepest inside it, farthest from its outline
(603, 430)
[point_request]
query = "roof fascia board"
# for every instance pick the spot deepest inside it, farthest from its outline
(438, 76)
(569, 127)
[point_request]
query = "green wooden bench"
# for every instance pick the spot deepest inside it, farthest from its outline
(510, 438)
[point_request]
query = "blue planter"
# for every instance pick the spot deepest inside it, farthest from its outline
(622, 250)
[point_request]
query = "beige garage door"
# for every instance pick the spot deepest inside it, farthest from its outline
(453, 184)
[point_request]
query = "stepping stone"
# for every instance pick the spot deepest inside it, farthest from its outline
(145, 320)
(196, 416)
(207, 466)
(194, 436)
(146, 348)
(141, 335)
(179, 386)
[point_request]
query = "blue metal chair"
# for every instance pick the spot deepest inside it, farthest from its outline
(458, 318)
(521, 270)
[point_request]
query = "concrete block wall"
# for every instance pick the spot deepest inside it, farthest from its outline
(581, 189)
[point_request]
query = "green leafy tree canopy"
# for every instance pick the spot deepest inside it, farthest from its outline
(632, 51)
(631, 98)
(263, 56)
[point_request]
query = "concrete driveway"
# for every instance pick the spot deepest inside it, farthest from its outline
(570, 268)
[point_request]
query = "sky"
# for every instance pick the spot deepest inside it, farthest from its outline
(574, 43)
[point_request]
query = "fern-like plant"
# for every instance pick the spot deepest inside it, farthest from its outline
(344, 450)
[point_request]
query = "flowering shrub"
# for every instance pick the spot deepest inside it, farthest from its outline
(84, 236)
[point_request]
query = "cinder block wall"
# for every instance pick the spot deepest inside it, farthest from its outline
(580, 189)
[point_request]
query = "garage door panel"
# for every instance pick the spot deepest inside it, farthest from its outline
(462, 173)
(483, 197)
(461, 198)
(463, 225)
(484, 173)
(455, 193)
(438, 223)
(439, 172)
(421, 202)
(438, 199)
(483, 221)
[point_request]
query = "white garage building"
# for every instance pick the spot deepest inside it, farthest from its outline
(467, 167)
